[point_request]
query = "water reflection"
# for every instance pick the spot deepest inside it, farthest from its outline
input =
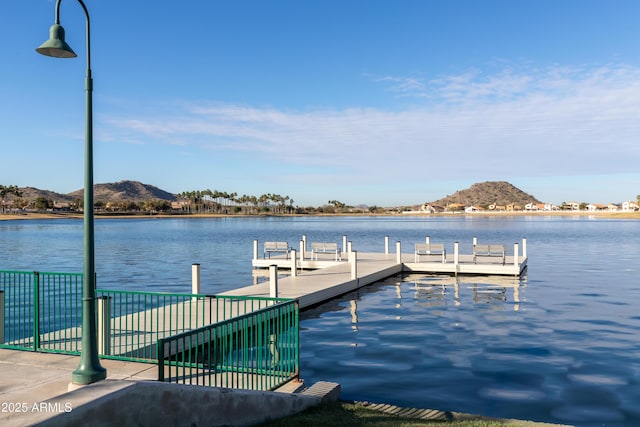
(438, 290)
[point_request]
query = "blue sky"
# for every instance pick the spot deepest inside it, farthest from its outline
(382, 102)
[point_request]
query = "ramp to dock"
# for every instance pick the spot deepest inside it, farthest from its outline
(313, 287)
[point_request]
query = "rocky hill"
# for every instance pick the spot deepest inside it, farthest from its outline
(486, 193)
(111, 192)
(124, 191)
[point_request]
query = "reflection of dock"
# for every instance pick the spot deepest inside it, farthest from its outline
(313, 281)
(441, 290)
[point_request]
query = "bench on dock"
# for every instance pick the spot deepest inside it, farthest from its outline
(491, 250)
(276, 247)
(324, 248)
(430, 249)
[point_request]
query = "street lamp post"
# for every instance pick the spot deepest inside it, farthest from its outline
(89, 370)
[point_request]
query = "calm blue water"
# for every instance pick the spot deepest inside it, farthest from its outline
(561, 344)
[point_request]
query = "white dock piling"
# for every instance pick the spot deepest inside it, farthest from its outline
(524, 247)
(255, 249)
(353, 260)
(304, 239)
(515, 254)
(104, 325)
(294, 263)
(302, 255)
(349, 246)
(273, 281)
(475, 240)
(456, 253)
(398, 252)
(386, 245)
(344, 244)
(195, 278)
(427, 240)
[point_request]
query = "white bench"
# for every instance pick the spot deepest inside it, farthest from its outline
(276, 247)
(324, 248)
(430, 249)
(491, 250)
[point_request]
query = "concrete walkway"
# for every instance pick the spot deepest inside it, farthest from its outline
(34, 391)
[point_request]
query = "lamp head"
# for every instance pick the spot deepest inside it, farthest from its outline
(56, 46)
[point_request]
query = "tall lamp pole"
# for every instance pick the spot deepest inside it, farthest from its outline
(89, 370)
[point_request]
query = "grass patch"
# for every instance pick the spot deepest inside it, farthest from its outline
(342, 414)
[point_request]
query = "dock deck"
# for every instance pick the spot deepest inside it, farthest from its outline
(318, 280)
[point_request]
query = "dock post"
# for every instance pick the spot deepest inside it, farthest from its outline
(273, 281)
(524, 247)
(456, 254)
(294, 263)
(1, 317)
(515, 254)
(386, 245)
(398, 252)
(104, 325)
(427, 240)
(344, 244)
(195, 278)
(301, 250)
(475, 240)
(255, 249)
(353, 259)
(349, 246)
(304, 239)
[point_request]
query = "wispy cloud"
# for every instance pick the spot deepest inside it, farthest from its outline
(538, 122)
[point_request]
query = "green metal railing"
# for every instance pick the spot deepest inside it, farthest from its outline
(258, 350)
(227, 341)
(41, 304)
(134, 321)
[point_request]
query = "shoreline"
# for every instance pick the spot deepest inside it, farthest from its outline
(606, 214)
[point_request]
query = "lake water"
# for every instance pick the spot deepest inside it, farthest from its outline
(560, 344)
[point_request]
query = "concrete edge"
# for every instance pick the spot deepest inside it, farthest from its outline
(146, 403)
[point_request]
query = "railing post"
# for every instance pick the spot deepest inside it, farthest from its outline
(515, 254)
(273, 281)
(36, 310)
(524, 247)
(255, 249)
(344, 244)
(1, 317)
(353, 259)
(195, 278)
(294, 263)
(160, 357)
(104, 325)
(398, 252)
(386, 245)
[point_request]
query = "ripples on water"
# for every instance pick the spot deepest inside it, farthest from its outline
(559, 345)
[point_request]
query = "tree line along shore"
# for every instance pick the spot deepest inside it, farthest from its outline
(60, 215)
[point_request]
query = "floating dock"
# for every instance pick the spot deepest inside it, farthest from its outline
(318, 277)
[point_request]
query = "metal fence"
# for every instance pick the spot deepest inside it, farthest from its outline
(130, 323)
(258, 351)
(42, 311)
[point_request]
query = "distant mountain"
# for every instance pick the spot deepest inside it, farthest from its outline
(30, 193)
(125, 190)
(487, 193)
(112, 192)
